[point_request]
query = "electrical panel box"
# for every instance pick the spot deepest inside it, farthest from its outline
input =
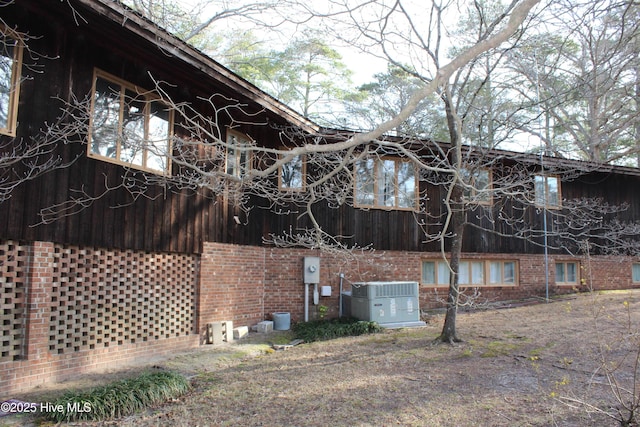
(311, 273)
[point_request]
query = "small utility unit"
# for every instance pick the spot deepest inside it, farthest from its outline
(390, 304)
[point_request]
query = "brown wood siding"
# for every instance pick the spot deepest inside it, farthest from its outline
(179, 220)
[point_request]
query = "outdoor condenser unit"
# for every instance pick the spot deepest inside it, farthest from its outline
(390, 304)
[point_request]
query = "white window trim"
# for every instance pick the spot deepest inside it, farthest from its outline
(633, 276)
(565, 263)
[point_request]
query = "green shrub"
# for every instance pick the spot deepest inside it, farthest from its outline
(119, 398)
(319, 330)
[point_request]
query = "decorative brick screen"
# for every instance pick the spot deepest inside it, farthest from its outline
(105, 298)
(13, 278)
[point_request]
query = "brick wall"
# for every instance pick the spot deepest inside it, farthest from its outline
(284, 290)
(231, 285)
(70, 310)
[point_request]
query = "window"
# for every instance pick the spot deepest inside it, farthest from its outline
(566, 273)
(472, 273)
(10, 74)
(292, 174)
(547, 191)
(479, 181)
(385, 183)
(238, 157)
(435, 273)
(635, 272)
(129, 126)
(502, 273)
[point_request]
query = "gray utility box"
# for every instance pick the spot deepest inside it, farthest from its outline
(386, 303)
(311, 272)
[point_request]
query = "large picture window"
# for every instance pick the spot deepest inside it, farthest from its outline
(472, 273)
(129, 126)
(386, 183)
(547, 191)
(10, 75)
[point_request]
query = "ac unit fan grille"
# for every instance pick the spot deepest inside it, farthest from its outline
(384, 290)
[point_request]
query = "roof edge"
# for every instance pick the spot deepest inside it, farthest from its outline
(172, 45)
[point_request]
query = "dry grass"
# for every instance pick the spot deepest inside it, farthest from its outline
(512, 370)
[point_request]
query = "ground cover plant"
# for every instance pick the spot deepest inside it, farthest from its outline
(119, 398)
(326, 329)
(543, 364)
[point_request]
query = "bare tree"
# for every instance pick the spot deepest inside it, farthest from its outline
(191, 23)
(422, 32)
(337, 163)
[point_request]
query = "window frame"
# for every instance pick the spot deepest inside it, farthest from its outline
(471, 194)
(564, 264)
(635, 278)
(514, 282)
(245, 142)
(377, 162)
(440, 268)
(543, 200)
(303, 172)
(148, 98)
(16, 77)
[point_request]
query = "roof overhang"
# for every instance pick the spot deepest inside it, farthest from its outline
(171, 46)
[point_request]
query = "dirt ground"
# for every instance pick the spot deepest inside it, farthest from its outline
(532, 365)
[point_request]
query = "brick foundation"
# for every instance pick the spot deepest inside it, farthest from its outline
(69, 310)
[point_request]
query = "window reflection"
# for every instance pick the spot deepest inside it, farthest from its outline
(547, 191)
(387, 183)
(364, 181)
(292, 174)
(478, 185)
(129, 127)
(238, 154)
(10, 65)
(106, 119)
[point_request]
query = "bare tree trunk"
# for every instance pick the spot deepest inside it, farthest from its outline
(456, 207)
(449, 330)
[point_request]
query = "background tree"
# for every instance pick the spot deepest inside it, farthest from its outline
(382, 98)
(580, 79)
(309, 76)
(192, 22)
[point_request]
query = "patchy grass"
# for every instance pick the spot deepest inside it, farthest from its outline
(514, 368)
(498, 348)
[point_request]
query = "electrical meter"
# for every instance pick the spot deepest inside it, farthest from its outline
(311, 272)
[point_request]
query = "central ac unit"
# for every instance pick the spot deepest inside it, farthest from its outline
(390, 304)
